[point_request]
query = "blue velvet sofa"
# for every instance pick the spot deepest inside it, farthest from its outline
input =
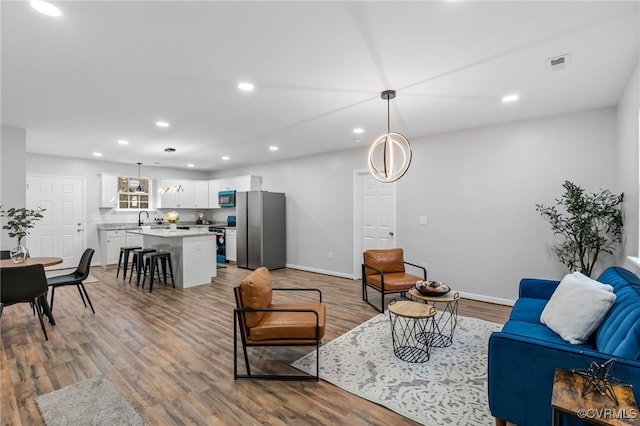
(523, 356)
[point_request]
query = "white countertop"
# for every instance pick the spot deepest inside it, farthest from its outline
(167, 233)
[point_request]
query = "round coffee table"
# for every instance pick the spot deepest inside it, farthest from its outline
(411, 325)
(445, 324)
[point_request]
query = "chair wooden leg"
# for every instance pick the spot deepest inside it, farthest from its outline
(500, 422)
(88, 300)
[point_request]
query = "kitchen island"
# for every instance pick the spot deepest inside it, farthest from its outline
(193, 253)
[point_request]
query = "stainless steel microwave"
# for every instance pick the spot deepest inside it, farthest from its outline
(227, 198)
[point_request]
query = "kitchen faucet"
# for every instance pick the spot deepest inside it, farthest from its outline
(140, 216)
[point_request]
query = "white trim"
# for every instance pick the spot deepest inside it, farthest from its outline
(320, 271)
(489, 299)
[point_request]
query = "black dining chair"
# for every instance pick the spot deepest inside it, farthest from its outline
(24, 284)
(75, 278)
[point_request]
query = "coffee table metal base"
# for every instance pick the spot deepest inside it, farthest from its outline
(411, 327)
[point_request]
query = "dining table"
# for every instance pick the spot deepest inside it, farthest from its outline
(44, 261)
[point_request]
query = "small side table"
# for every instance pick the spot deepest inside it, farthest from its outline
(412, 326)
(448, 318)
(593, 408)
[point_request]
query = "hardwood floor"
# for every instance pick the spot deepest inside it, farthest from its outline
(170, 353)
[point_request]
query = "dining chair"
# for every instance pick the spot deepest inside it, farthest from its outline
(24, 284)
(75, 278)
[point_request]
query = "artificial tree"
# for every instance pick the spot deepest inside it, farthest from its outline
(589, 223)
(19, 221)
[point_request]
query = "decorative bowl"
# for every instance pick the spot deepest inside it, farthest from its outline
(432, 288)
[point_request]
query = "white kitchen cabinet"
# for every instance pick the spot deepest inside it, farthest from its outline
(181, 195)
(108, 191)
(241, 183)
(201, 194)
(231, 246)
(214, 188)
(114, 241)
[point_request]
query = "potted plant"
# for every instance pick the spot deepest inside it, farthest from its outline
(19, 221)
(589, 224)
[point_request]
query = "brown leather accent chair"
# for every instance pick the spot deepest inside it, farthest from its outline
(264, 323)
(384, 271)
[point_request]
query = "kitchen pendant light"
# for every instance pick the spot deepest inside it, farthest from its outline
(394, 150)
(139, 187)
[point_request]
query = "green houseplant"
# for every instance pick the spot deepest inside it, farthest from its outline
(589, 224)
(19, 221)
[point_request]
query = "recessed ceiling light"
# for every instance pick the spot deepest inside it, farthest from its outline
(190, 165)
(273, 148)
(97, 154)
(358, 130)
(162, 124)
(123, 142)
(510, 98)
(245, 86)
(45, 8)
(226, 158)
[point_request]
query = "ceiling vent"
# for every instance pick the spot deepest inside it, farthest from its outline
(558, 63)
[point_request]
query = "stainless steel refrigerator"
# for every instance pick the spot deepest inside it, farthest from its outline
(261, 229)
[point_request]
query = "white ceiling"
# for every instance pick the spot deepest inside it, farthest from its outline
(105, 71)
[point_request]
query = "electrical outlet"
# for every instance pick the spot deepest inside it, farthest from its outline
(330, 255)
(422, 220)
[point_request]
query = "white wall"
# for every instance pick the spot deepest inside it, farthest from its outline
(478, 189)
(12, 175)
(628, 160)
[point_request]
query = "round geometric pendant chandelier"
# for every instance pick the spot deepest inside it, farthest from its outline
(390, 154)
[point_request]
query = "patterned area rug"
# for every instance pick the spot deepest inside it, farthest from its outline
(91, 402)
(449, 389)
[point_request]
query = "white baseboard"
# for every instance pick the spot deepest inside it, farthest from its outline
(482, 298)
(320, 271)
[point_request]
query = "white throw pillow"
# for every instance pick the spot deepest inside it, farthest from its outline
(585, 279)
(576, 309)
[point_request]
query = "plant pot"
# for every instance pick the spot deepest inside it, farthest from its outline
(19, 254)
(173, 227)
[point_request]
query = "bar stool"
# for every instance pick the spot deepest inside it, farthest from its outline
(124, 252)
(138, 261)
(151, 264)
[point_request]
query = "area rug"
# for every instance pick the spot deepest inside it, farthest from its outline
(50, 274)
(91, 402)
(449, 389)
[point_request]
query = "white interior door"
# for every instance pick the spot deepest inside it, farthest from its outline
(60, 233)
(374, 216)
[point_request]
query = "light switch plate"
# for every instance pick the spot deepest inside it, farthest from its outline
(422, 220)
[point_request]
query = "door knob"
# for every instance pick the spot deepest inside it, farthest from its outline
(391, 233)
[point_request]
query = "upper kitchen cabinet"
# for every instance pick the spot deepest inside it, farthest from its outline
(201, 194)
(119, 192)
(176, 194)
(214, 188)
(108, 191)
(240, 183)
